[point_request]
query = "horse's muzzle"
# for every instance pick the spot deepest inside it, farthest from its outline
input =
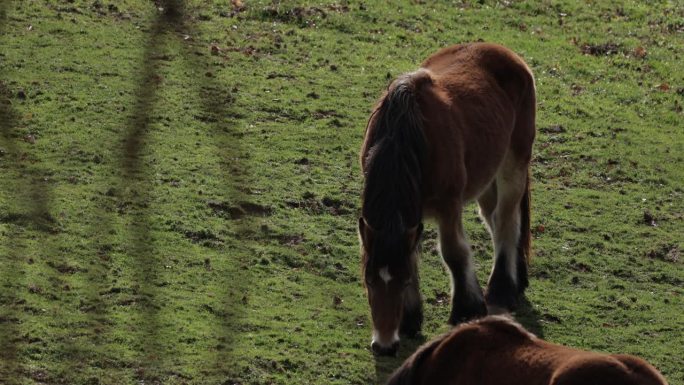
(385, 351)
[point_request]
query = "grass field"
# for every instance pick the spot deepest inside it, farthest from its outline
(180, 185)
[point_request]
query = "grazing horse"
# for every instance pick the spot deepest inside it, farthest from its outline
(460, 128)
(495, 350)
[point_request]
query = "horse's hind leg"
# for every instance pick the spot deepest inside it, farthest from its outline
(509, 274)
(487, 203)
(466, 297)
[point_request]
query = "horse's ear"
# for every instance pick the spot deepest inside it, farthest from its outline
(414, 234)
(365, 232)
(362, 229)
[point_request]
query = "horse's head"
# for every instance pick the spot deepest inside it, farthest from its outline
(388, 268)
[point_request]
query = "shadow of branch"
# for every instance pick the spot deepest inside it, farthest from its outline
(217, 100)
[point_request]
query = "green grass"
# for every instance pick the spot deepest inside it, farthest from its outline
(175, 213)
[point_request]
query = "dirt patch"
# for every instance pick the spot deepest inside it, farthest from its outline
(555, 129)
(580, 266)
(291, 240)
(605, 49)
(304, 16)
(649, 219)
(335, 206)
(328, 205)
(440, 299)
(205, 237)
(65, 268)
(551, 318)
(323, 114)
(40, 221)
(667, 253)
(202, 235)
(242, 209)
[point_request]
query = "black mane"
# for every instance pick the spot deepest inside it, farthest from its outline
(392, 199)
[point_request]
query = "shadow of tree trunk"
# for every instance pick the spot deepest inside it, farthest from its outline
(27, 207)
(11, 273)
(135, 188)
(136, 184)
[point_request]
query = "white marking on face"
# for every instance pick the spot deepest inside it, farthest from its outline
(385, 275)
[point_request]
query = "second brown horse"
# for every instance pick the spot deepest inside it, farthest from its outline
(496, 350)
(458, 129)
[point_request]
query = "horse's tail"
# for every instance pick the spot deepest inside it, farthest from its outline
(525, 240)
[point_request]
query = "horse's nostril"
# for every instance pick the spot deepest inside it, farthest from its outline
(382, 351)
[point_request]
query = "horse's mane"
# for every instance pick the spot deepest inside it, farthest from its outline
(393, 162)
(504, 324)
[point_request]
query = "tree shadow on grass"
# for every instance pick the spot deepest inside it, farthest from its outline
(135, 198)
(11, 271)
(172, 22)
(28, 202)
(217, 100)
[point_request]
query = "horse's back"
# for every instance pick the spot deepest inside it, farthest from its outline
(473, 109)
(467, 66)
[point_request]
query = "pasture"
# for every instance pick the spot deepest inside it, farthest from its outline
(179, 190)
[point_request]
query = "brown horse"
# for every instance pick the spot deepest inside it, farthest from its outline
(495, 350)
(459, 128)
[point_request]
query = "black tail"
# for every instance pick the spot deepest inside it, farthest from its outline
(525, 240)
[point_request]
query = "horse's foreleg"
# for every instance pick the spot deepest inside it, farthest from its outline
(509, 271)
(467, 301)
(412, 319)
